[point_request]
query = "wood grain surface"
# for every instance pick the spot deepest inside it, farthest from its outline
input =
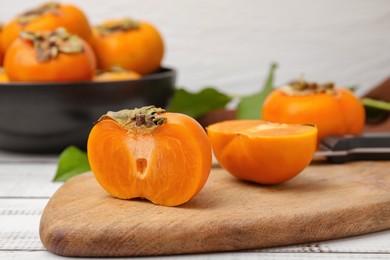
(324, 202)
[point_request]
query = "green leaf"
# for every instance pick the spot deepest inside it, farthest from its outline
(378, 104)
(250, 106)
(377, 111)
(198, 104)
(72, 162)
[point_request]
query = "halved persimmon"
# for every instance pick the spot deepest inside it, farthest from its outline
(115, 74)
(48, 17)
(260, 151)
(151, 154)
(132, 45)
(55, 56)
(335, 111)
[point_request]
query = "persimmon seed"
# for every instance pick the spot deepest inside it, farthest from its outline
(141, 164)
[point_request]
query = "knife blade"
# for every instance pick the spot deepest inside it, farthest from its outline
(369, 146)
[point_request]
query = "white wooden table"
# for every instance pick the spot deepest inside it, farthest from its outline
(26, 187)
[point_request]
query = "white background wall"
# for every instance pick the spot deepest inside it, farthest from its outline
(230, 44)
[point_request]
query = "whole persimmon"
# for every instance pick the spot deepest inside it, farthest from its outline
(130, 44)
(262, 152)
(335, 111)
(115, 74)
(49, 57)
(149, 153)
(48, 17)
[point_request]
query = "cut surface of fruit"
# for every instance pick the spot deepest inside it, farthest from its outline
(167, 164)
(263, 152)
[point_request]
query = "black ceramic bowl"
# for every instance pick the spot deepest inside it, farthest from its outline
(47, 117)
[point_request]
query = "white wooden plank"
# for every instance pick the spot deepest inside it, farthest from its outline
(28, 180)
(12, 157)
(44, 255)
(19, 224)
(277, 256)
(378, 242)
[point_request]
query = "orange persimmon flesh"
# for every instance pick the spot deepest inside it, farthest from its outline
(260, 151)
(168, 164)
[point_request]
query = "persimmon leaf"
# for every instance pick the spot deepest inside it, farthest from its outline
(198, 104)
(250, 106)
(377, 111)
(72, 161)
(375, 103)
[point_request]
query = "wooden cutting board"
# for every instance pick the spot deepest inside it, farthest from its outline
(324, 202)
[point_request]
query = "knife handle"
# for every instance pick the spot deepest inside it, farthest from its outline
(370, 146)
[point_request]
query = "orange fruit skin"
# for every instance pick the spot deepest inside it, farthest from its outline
(168, 166)
(3, 77)
(70, 17)
(1, 56)
(338, 114)
(21, 64)
(265, 157)
(117, 76)
(140, 50)
(1, 48)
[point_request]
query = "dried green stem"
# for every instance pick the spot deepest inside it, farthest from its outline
(302, 87)
(122, 25)
(148, 117)
(48, 45)
(32, 14)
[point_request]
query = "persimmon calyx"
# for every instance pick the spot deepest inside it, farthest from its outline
(30, 15)
(118, 69)
(149, 117)
(122, 25)
(48, 45)
(302, 87)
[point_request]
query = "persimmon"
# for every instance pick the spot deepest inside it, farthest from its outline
(132, 45)
(48, 17)
(49, 57)
(260, 151)
(115, 74)
(335, 111)
(1, 47)
(149, 153)
(3, 76)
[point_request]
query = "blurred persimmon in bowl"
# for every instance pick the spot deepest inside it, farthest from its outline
(47, 17)
(50, 56)
(132, 45)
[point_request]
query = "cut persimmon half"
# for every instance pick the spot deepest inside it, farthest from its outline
(148, 153)
(262, 152)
